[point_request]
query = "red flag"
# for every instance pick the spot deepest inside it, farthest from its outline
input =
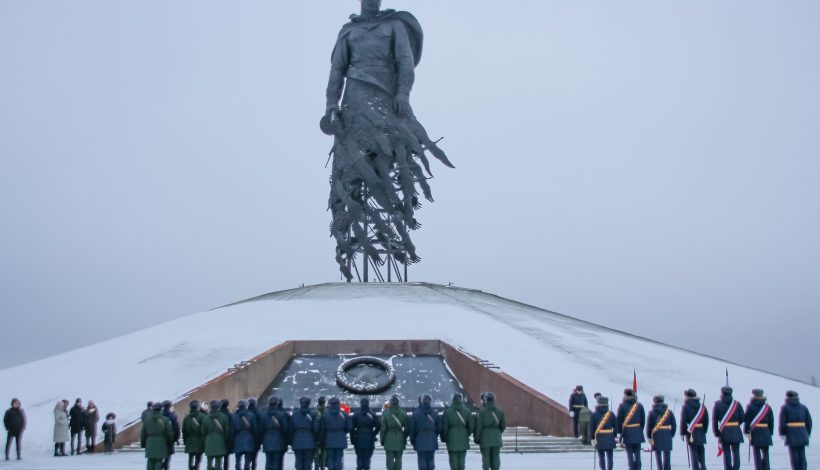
(634, 381)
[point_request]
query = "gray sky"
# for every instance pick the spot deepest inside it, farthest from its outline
(647, 165)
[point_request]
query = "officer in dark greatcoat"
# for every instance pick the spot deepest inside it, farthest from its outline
(758, 424)
(603, 428)
(366, 427)
(631, 422)
(795, 428)
(577, 401)
(660, 429)
(304, 432)
(694, 427)
(727, 416)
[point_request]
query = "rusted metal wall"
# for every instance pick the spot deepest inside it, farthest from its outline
(522, 405)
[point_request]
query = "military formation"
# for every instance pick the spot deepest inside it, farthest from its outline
(318, 436)
(630, 428)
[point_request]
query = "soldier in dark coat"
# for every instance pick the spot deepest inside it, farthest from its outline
(225, 408)
(304, 431)
(275, 432)
(457, 425)
(77, 425)
(795, 428)
(244, 430)
(577, 401)
(156, 437)
(193, 435)
(334, 427)
(631, 422)
(168, 412)
(694, 427)
(490, 425)
(424, 431)
(758, 424)
(661, 426)
(15, 423)
(320, 458)
(603, 427)
(366, 426)
(257, 413)
(727, 417)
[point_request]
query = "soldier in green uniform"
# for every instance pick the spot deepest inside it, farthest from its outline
(192, 435)
(320, 459)
(393, 435)
(457, 426)
(490, 424)
(217, 432)
(156, 437)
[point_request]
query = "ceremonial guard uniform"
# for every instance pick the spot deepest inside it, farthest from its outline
(694, 427)
(603, 428)
(759, 426)
(660, 429)
(631, 422)
(727, 415)
(795, 428)
(577, 401)
(304, 431)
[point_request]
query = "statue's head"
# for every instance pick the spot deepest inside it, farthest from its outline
(373, 6)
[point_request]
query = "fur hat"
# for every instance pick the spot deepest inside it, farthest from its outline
(458, 398)
(426, 399)
(489, 396)
(157, 406)
(792, 394)
(195, 405)
(758, 393)
(215, 404)
(322, 400)
(242, 404)
(628, 392)
(579, 388)
(334, 401)
(726, 390)
(272, 401)
(304, 401)
(394, 400)
(690, 393)
(658, 399)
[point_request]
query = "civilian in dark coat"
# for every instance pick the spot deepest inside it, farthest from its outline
(77, 425)
(275, 432)
(727, 417)
(225, 408)
(424, 430)
(333, 430)
(758, 424)
(15, 422)
(631, 422)
(366, 427)
(795, 428)
(694, 427)
(245, 434)
(257, 413)
(577, 401)
(304, 430)
(92, 418)
(109, 429)
(660, 429)
(603, 427)
(168, 412)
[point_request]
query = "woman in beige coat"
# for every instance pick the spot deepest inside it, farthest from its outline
(61, 435)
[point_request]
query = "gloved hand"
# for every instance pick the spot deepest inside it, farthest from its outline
(594, 443)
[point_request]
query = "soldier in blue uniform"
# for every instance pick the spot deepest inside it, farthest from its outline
(243, 426)
(758, 424)
(660, 429)
(727, 416)
(275, 432)
(795, 428)
(304, 431)
(577, 401)
(257, 413)
(603, 427)
(631, 422)
(366, 427)
(334, 428)
(694, 427)
(425, 428)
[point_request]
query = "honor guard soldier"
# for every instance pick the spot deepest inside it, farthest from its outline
(604, 427)
(631, 422)
(759, 426)
(795, 428)
(577, 401)
(726, 418)
(661, 427)
(694, 427)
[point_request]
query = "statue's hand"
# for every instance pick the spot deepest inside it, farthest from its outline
(401, 106)
(332, 112)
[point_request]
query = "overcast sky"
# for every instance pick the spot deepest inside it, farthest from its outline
(647, 165)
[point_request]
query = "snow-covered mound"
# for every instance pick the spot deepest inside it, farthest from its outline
(549, 352)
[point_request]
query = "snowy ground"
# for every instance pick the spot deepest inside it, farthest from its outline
(549, 352)
(508, 462)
